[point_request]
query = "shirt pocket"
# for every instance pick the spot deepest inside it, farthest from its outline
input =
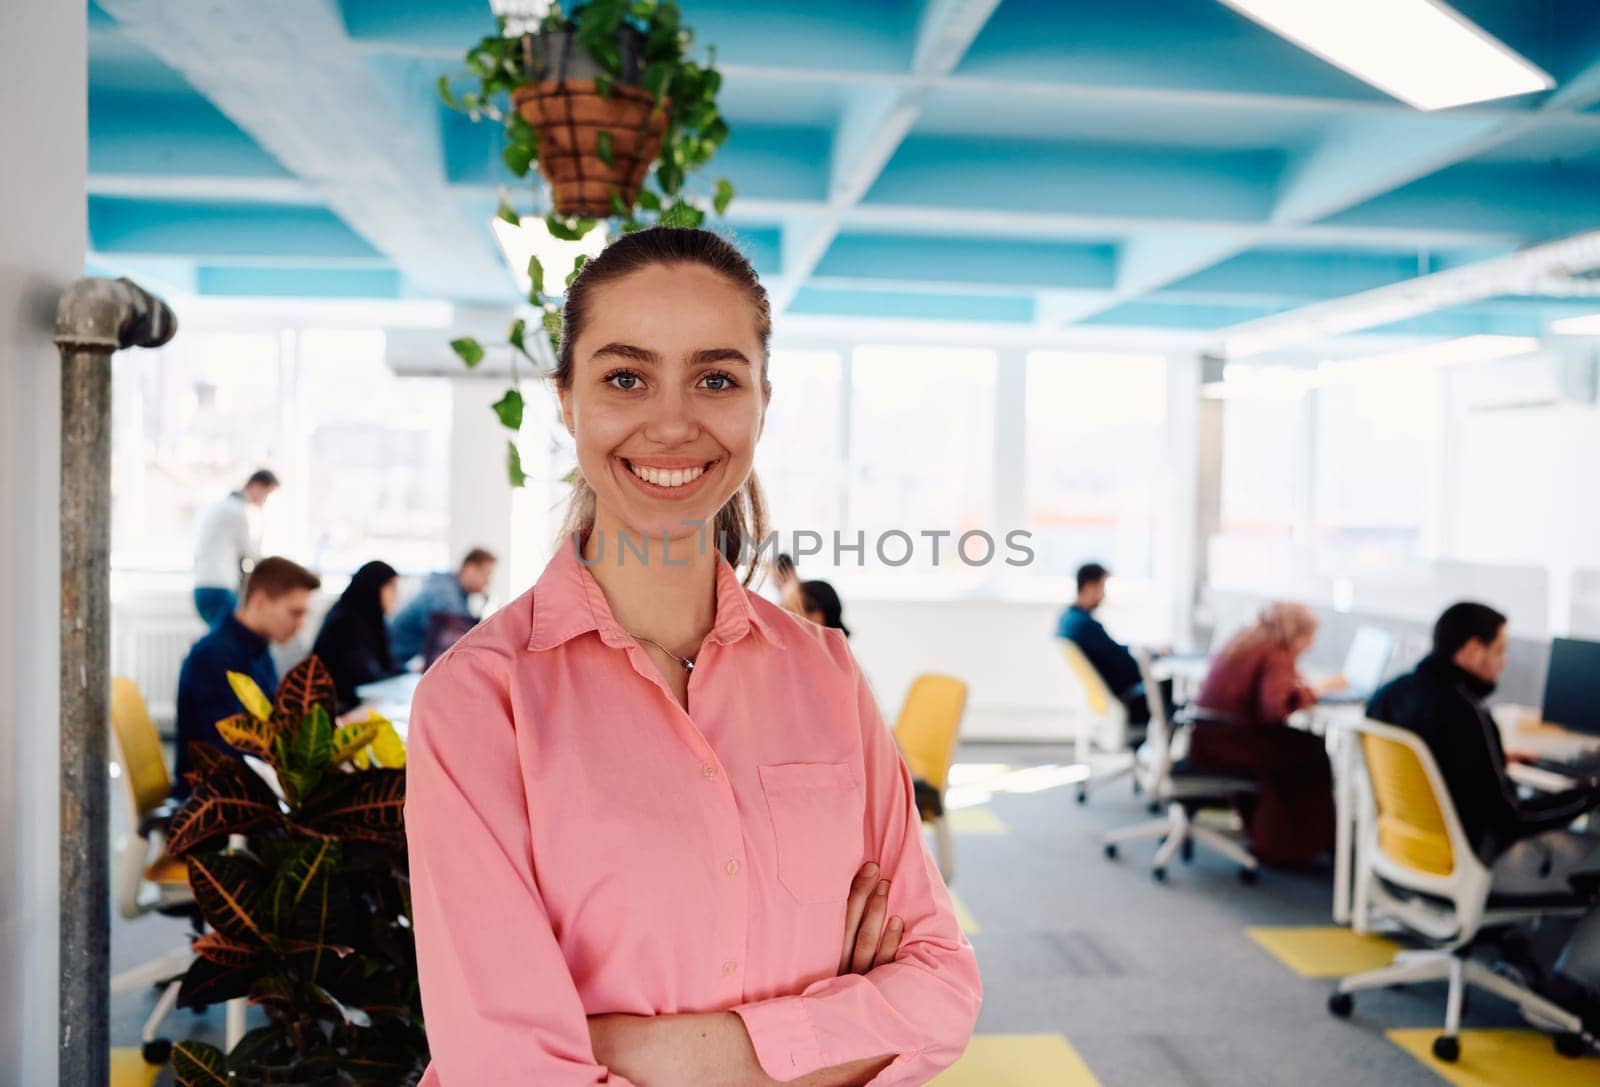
(816, 811)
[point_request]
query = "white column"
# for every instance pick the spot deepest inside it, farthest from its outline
(1010, 441)
(1193, 510)
(480, 492)
(44, 129)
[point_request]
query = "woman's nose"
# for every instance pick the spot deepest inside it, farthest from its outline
(672, 420)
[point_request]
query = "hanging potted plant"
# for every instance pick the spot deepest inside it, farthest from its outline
(606, 100)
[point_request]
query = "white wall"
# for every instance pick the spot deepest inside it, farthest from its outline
(43, 127)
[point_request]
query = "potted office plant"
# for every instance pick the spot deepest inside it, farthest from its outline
(606, 100)
(311, 919)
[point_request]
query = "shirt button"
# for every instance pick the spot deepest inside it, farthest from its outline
(733, 868)
(709, 771)
(729, 967)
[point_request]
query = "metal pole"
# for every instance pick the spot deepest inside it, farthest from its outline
(95, 317)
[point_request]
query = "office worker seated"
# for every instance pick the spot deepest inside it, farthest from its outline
(276, 599)
(1526, 842)
(1109, 657)
(354, 639)
(441, 594)
(1250, 691)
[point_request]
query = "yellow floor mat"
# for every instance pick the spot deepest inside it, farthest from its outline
(975, 821)
(1325, 951)
(1018, 1060)
(1501, 1058)
(129, 1070)
(969, 923)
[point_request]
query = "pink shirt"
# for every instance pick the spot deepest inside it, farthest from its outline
(581, 845)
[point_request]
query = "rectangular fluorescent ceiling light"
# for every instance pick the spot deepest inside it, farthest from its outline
(1421, 51)
(533, 239)
(1587, 325)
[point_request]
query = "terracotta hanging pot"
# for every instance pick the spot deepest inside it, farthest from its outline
(570, 114)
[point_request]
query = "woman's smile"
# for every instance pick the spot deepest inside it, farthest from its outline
(672, 479)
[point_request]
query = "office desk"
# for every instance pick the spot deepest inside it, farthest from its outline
(391, 698)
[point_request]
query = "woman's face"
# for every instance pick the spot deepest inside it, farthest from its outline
(666, 400)
(388, 594)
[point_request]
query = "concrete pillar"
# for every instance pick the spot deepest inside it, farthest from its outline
(1194, 435)
(44, 128)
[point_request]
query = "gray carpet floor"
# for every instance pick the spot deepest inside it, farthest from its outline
(1153, 984)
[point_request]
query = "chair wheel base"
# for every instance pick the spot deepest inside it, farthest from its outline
(1158, 874)
(157, 1051)
(1110, 850)
(1447, 1048)
(1186, 850)
(1340, 1005)
(1571, 1045)
(1083, 796)
(1249, 876)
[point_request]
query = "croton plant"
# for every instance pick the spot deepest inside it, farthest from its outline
(310, 919)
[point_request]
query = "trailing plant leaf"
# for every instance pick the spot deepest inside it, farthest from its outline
(518, 158)
(507, 212)
(250, 696)
(509, 409)
(536, 274)
(577, 266)
(470, 350)
(251, 735)
(723, 197)
(196, 1064)
(514, 471)
(602, 149)
(514, 336)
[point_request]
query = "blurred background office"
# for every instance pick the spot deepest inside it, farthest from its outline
(1124, 326)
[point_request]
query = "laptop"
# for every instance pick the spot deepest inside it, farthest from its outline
(1364, 666)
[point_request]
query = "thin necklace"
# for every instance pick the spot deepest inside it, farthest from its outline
(687, 662)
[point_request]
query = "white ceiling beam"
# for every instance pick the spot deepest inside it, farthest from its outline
(876, 123)
(288, 75)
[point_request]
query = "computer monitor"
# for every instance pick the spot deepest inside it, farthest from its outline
(1367, 659)
(1572, 685)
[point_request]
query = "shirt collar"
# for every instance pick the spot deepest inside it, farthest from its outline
(243, 634)
(568, 601)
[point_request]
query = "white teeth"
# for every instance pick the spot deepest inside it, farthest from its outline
(663, 477)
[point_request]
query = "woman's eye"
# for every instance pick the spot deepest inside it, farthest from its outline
(623, 379)
(718, 382)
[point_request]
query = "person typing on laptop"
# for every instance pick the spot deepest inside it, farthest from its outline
(1527, 843)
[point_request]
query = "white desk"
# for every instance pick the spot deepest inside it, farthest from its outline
(391, 698)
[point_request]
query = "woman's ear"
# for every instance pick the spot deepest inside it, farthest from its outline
(565, 396)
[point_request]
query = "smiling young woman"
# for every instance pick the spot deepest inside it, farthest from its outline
(659, 834)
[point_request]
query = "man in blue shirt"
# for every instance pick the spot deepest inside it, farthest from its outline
(446, 595)
(276, 600)
(1109, 657)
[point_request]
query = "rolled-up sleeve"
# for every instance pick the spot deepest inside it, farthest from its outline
(922, 1007)
(499, 1001)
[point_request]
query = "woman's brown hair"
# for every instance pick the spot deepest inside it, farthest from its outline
(741, 524)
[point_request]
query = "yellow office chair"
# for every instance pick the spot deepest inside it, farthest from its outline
(926, 730)
(1101, 721)
(148, 880)
(1418, 868)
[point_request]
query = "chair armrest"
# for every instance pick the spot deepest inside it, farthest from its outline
(157, 818)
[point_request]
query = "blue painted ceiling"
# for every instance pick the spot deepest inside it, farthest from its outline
(1158, 163)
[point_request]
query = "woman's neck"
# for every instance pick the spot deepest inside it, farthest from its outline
(668, 595)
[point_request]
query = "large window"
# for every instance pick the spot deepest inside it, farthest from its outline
(1096, 451)
(1376, 437)
(921, 447)
(363, 455)
(800, 457)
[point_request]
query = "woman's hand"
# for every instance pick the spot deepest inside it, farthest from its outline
(868, 941)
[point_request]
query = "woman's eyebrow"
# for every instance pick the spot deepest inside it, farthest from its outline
(701, 357)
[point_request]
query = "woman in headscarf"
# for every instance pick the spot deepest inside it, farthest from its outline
(1245, 702)
(354, 640)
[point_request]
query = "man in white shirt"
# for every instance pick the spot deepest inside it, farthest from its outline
(224, 542)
